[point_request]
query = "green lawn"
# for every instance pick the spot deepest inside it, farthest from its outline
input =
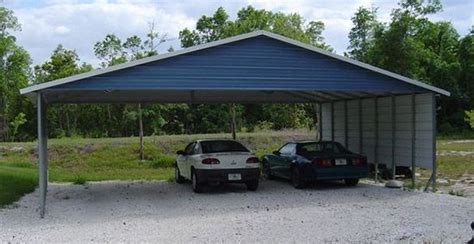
(452, 164)
(79, 160)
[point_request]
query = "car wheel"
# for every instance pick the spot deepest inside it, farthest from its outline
(197, 187)
(267, 171)
(296, 179)
(252, 185)
(351, 182)
(177, 175)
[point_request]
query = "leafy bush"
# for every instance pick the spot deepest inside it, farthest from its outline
(263, 126)
(470, 118)
(163, 161)
(79, 180)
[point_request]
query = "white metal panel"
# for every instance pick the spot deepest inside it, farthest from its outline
(424, 136)
(424, 130)
(368, 128)
(339, 127)
(326, 119)
(353, 127)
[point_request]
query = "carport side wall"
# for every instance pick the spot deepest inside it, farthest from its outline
(402, 141)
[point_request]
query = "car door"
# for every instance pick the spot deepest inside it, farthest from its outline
(287, 155)
(184, 162)
(194, 157)
(282, 163)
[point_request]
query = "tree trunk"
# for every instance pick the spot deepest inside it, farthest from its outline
(4, 124)
(68, 122)
(232, 121)
(109, 122)
(140, 122)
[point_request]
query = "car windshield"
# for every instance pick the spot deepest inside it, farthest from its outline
(319, 148)
(222, 146)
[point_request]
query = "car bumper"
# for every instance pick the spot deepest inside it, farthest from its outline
(222, 175)
(336, 172)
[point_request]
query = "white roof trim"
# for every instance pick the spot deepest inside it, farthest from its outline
(73, 78)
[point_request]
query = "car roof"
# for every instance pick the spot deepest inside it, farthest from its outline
(308, 141)
(201, 140)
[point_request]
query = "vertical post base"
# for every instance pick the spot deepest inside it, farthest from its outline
(431, 181)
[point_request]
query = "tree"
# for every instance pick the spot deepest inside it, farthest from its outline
(113, 51)
(62, 63)
(134, 47)
(110, 50)
(14, 72)
(362, 34)
(218, 26)
(470, 118)
(154, 39)
(414, 46)
(466, 74)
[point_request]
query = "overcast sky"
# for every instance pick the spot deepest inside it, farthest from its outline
(79, 24)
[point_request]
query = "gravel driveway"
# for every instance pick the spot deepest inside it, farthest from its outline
(168, 212)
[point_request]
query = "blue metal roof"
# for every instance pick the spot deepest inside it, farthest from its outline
(258, 63)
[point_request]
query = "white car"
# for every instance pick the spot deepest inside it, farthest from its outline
(217, 161)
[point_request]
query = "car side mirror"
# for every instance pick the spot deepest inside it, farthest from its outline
(180, 152)
(276, 153)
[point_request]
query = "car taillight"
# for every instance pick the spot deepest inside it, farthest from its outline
(359, 161)
(322, 162)
(252, 160)
(210, 161)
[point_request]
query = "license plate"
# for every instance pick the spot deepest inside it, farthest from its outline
(341, 162)
(234, 177)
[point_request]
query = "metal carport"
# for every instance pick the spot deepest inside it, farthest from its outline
(388, 117)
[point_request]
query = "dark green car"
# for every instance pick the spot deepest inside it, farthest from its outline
(308, 161)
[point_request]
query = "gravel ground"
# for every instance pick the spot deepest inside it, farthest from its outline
(276, 213)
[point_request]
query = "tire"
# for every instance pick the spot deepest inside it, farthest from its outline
(267, 171)
(296, 179)
(177, 175)
(252, 185)
(197, 187)
(351, 182)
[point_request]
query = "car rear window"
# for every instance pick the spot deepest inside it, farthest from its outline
(222, 146)
(323, 148)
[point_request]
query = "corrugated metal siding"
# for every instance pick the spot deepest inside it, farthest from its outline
(424, 136)
(258, 63)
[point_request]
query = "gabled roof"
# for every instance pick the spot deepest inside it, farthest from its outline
(98, 72)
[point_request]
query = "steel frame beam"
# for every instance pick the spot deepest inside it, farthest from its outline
(346, 140)
(42, 153)
(413, 140)
(376, 146)
(394, 140)
(433, 120)
(332, 121)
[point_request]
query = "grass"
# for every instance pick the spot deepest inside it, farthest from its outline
(15, 182)
(80, 160)
(454, 165)
(448, 145)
